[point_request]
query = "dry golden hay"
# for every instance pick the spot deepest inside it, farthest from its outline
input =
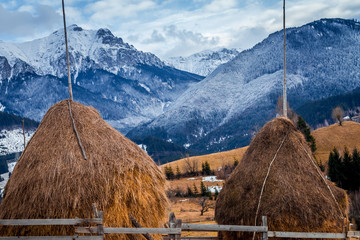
(53, 180)
(295, 196)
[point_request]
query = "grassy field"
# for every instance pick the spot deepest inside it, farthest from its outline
(216, 160)
(336, 136)
(189, 211)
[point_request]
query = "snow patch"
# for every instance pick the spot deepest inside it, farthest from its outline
(143, 147)
(211, 179)
(11, 166)
(2, 107)
(184, 200)
(145, 87)
(213, 189)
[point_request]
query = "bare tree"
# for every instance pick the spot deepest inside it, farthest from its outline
(190, 166)
(204, 205)
(338, 114)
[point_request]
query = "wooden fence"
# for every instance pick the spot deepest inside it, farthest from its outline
(97, 231)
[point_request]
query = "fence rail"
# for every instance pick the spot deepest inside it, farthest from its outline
(172, 233)
(217, 228)
(42, 222)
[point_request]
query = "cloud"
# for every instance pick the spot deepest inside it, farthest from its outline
(220, 5)
(23, 23)
(173, 41)
(304, 11)
(27, 8)
(106, 10)
(155, 37)
(171, 27)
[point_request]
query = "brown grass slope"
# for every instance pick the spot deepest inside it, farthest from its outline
(216, 160)
(53, 180)
(295, 196)
(336, 136)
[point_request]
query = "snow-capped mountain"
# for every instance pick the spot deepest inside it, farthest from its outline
(203, 63)
(236, 99)
(88, 48)
(127, 86)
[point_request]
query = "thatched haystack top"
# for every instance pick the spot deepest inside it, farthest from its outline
(53, 180)
(295, 196)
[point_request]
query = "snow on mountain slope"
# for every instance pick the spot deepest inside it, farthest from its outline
(222, 111)
(2, 107)
(13, 140)
(121, 82)
(47, 55)
(203, 63)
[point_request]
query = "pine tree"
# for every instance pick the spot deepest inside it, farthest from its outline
(335, 167)
(169, 172)
(207, 169)
(189, 192)
(303, 127)
(347, 171)
(356, 168)
(196, 192)
(203, 189)
(236, 162)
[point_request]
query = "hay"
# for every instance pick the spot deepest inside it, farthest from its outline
(53, 180)
(295, 197)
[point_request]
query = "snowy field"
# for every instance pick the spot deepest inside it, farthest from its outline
(13, 140)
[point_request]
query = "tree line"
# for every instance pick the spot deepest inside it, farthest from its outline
(345, 170)
(190, 170)
(194, 191)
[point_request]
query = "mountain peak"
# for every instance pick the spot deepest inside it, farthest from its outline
(204, 62)
(107, 37)
(104, 32)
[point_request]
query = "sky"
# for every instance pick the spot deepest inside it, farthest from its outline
(169, 28)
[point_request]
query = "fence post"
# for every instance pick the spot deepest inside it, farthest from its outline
(172, 224)
(178, 225)
(100, 227)
(345, 229)
(264, 235)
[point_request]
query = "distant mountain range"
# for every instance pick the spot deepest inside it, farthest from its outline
(225, 110)
(203, 63)
(171, 112)
(127, 86)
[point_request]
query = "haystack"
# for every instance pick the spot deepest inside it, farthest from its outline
(295, 196)
(52, 179)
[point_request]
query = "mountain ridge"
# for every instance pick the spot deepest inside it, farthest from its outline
(224, 110)
(127, 86)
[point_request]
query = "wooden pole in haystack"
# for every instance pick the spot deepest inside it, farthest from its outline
(67, 53)
(284, 90)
